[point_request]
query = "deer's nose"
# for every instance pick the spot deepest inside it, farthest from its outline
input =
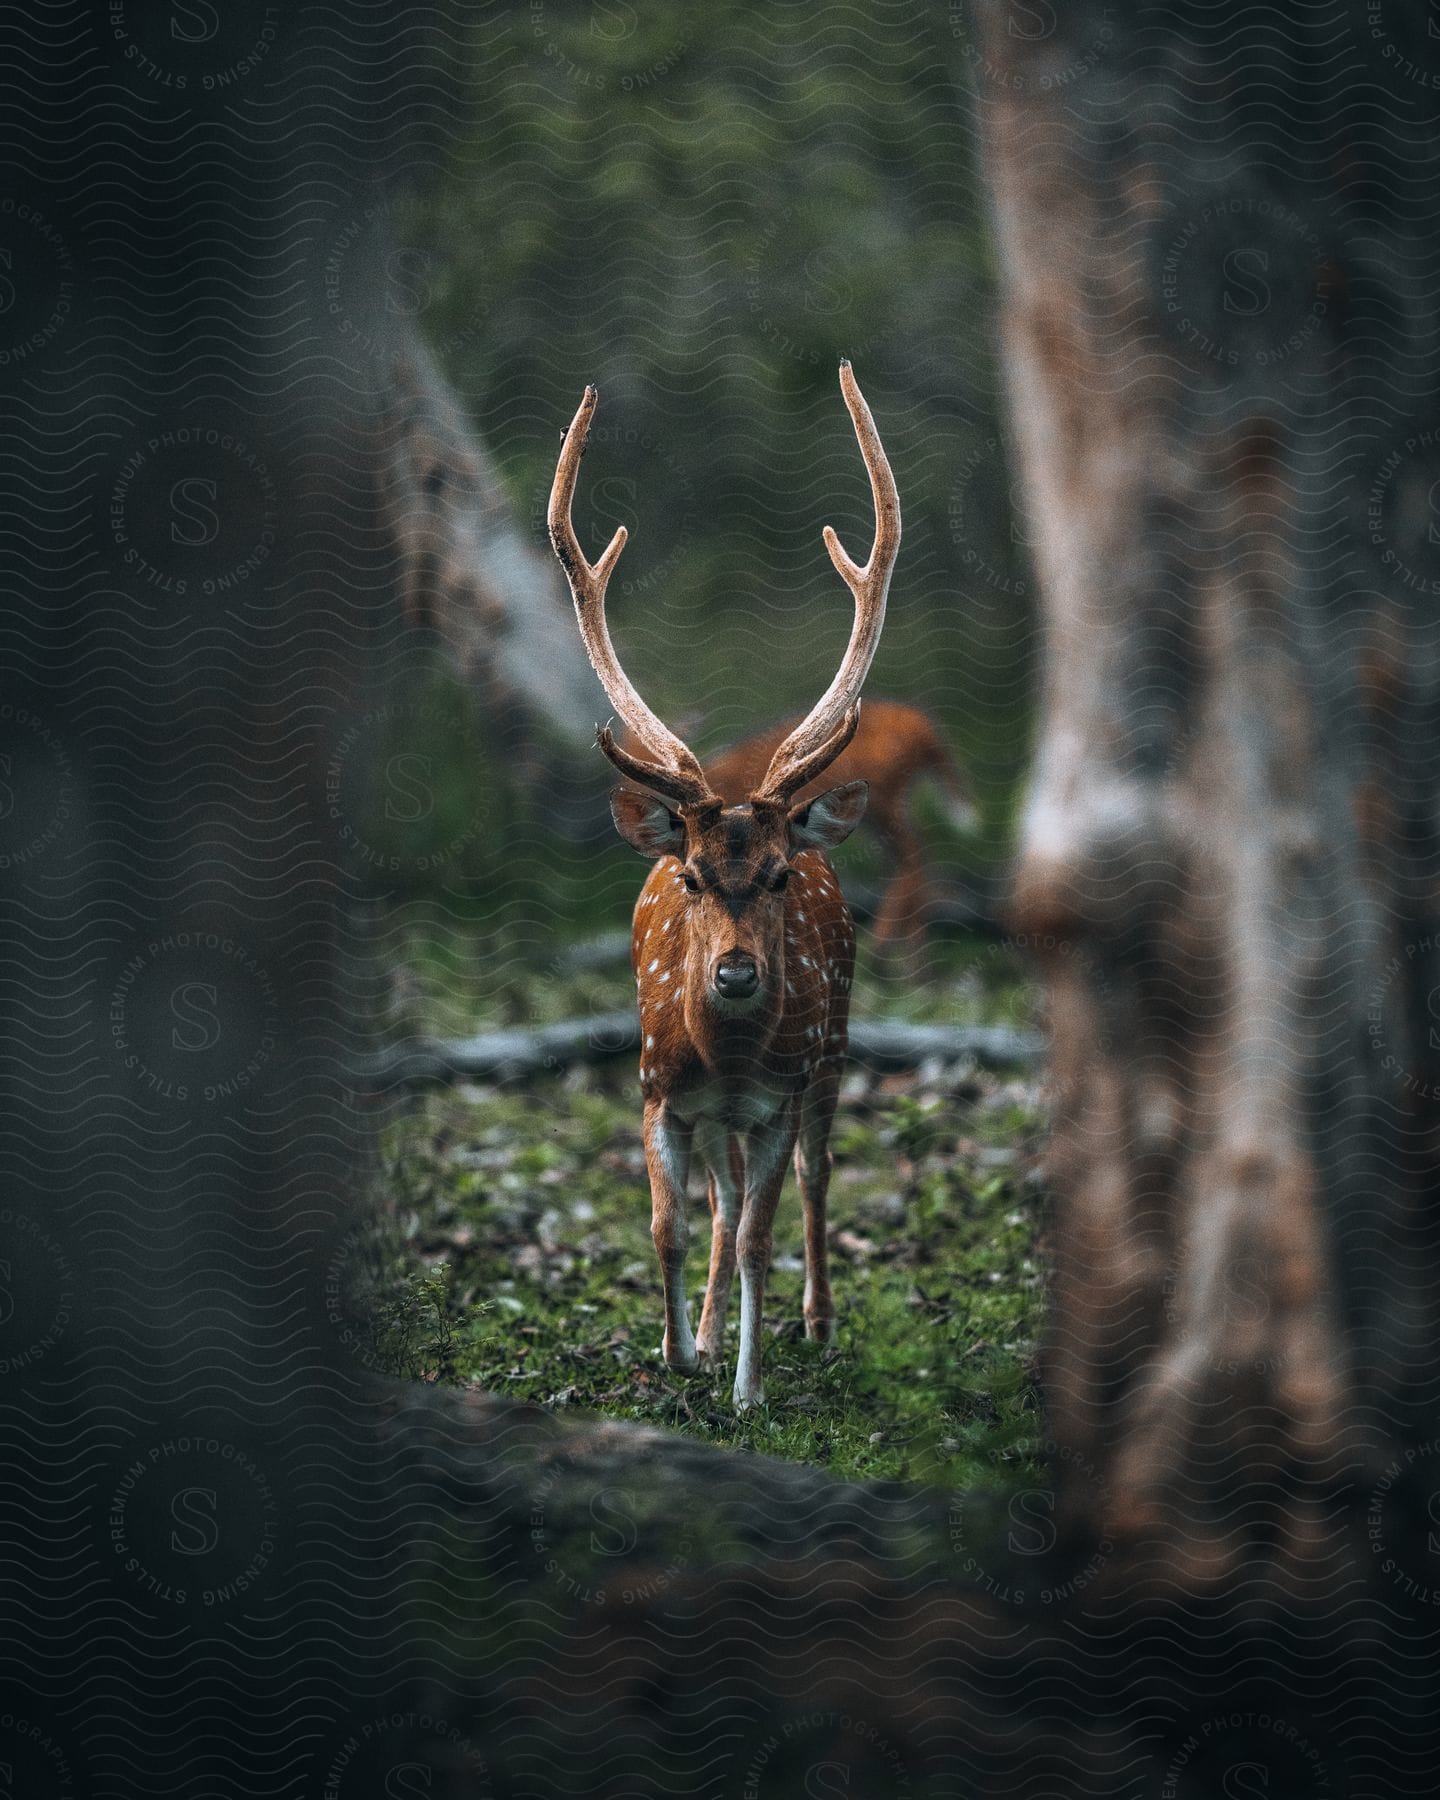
(736, 976)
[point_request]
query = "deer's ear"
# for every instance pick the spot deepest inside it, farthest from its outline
(647, 824)
(829, 818)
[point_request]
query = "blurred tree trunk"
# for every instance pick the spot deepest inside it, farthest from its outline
(495, 601)
(1220, 331)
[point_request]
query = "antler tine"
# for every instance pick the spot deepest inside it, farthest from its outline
(675, 772)
(820, 737)
(674, 784)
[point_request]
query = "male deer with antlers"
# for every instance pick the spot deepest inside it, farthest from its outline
(743, 947)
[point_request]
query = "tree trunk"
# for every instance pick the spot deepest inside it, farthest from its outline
(1219, 261)
(495, 601)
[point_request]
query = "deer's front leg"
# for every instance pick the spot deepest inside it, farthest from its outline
(767, 1151)
(720, 1149)
(667, 1158)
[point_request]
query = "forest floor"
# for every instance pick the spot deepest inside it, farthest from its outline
(515, 1252)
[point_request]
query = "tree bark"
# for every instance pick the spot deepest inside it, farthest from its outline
(1220, 274)
(495, 602)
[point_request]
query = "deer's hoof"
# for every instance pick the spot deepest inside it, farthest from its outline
(820, 1331)
(685, 1360)
(747, 1398)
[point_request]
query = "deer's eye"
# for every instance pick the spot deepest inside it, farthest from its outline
(692, 886)
(777, 884)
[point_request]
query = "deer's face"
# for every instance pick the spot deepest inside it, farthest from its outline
(735, 864)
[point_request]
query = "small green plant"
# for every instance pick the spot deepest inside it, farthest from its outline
(413, 1331)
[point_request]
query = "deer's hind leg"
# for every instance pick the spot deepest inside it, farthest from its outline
(720, 1151)
(813, 1162)
(902, 922)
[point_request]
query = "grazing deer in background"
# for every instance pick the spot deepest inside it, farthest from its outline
(744, 949)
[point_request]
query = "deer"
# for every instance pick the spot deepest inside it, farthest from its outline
(742, 946)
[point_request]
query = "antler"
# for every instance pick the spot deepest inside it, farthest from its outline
(675, 772)
(819, 739)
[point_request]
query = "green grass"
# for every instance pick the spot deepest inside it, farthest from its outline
(516, 1253)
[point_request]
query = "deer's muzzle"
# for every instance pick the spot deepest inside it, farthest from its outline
(735, 976)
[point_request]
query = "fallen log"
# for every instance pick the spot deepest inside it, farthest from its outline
(603, 951)
(519, 1053)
